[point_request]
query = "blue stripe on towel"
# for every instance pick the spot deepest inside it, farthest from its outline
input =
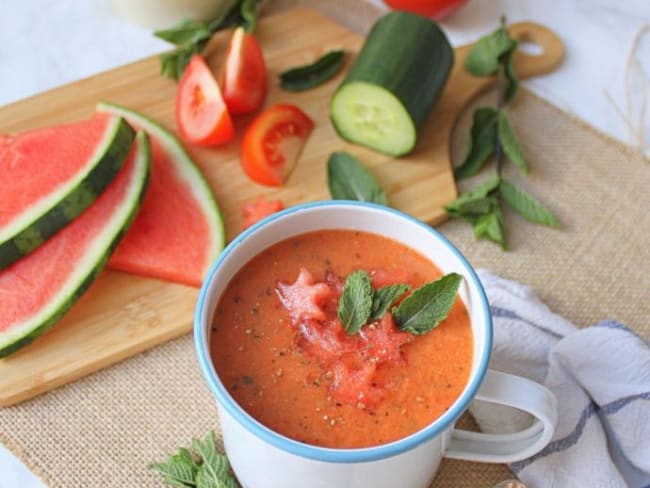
(571, 439)
(509, 314)
(613, 324)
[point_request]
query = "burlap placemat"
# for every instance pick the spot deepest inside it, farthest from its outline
(103, 430)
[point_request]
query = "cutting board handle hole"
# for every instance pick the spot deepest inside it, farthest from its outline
(529, 46)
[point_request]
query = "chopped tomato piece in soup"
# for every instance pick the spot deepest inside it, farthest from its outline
(353, 359)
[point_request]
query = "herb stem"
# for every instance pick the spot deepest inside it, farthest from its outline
(501, 87)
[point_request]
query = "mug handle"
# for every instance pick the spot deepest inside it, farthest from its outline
(513, 391)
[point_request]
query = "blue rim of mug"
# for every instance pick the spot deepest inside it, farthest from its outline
(333, 455)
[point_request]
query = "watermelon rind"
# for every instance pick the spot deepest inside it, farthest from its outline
(186, 169)
(56, 210)
(19, 335)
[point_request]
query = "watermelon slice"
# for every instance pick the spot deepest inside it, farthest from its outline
(39, 289)
(51, 175)
(179, 231)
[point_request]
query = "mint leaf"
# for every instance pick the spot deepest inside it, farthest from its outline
(249, 14)
(509, 143)
(482, 143)
(347, 179)
(355, 303)
(474, 208)
(526, 205)
(483, 57)
(491, 226)
(511, 77)
(455, 208)
(179, 470)
(305, 77)
(187, 32)
(173, 63)
(427, 306)
(384, 297)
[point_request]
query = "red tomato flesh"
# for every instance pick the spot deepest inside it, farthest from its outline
(260, 208)
(273, 142)
(201, 114)
(436, 9)
(244, 81)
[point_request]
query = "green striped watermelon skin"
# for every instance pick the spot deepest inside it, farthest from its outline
(94, 263)
(51, 218)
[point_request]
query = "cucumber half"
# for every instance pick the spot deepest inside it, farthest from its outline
(391, 88)
(372, 116)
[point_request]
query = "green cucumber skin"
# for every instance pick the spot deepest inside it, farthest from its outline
(92, 274)
(408, 55)
(76, 201)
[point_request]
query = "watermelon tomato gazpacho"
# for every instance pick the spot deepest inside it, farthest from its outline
(343, 339)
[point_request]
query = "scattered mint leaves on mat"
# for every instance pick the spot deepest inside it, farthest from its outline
(483, 142)
(348, 179)
(355, 303)
(492, 134)
(203, 467)
(526, 205)
(427, 306)
(309, 76)
(191, 36)
(384, 297)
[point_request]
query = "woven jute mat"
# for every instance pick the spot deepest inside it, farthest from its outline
(103, 430)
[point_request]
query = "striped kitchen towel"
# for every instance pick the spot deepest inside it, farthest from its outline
(601, 378)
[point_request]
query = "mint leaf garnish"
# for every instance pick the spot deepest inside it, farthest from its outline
(348, 179)
(510, 144)
(482, 143)
(427, 306)
(355, 303)
(384, 297)
(526, 205)
(205, 468)
(308, 76)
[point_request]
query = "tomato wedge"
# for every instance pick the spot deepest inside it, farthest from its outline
(244, 81)
(201, 114)
(273, 142)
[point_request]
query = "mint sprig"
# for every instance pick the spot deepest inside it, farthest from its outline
(355, 303)
(384, 297)
(492, 134)
(418, 313)
(202, 468)
(427, 306)
(191, 36)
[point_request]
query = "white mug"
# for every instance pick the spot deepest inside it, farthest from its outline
(262, 458)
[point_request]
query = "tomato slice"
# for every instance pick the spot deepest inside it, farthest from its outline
(273, 142)
(201, 114)
(244, 81)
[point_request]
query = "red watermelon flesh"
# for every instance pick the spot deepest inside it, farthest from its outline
(162, 242)
(67, 147)
(178, 232)
(39, 288)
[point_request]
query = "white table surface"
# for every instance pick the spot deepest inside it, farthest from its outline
(45, 44)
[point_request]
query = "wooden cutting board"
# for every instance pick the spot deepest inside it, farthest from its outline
(122, 315)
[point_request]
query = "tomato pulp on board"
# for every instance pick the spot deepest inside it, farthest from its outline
(273, 142)
(284, 358)
(244, 81)
(257, 210)
(201, 114)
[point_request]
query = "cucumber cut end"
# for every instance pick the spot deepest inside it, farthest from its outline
(369, 115)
